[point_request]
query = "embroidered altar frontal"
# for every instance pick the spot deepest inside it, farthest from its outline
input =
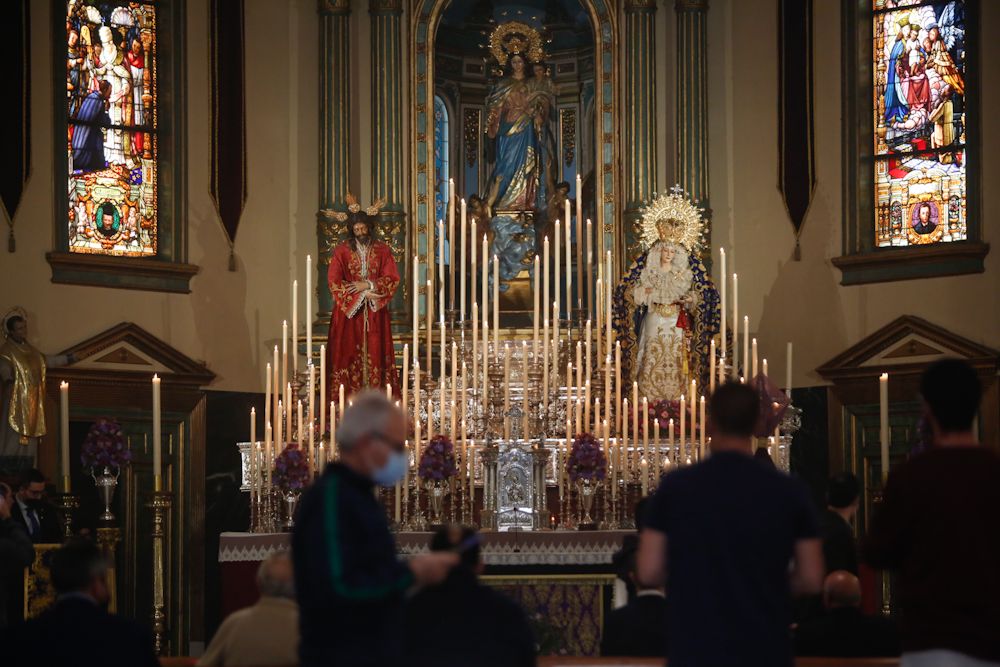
(563, 579)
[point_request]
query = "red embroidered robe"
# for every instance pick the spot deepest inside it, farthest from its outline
(359, 349)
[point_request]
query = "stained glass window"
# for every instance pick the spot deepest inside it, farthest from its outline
(920, 122)
(111, 97)
(441, 165)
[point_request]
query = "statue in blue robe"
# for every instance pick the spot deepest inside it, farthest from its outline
(88, 123)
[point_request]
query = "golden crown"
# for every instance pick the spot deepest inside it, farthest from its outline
(516, 37)
(673, 218)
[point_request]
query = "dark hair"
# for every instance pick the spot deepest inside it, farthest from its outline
(641, 509)
(734, 409)
(105, 87)
(30, 476)
(842, 489)
(75, 564)
(952, 392)
(451, 538)
(11, 321)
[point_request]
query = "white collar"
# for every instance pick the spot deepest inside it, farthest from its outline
(651, 592)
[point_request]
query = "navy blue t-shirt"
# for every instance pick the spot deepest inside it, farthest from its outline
(731, 525)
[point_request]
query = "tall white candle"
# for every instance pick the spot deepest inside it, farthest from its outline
(722, 308)
(736, 326)
(569, 265)
(753, 358)
(462, 264)
(406, 382)
(64, 433)
(701, 420)
(883, 405)
(415, 288)
(496, 304)
(299, 423)
(711, 366)
(485, 286)
(295, 327)
(546, 298)
(473, 262)
(555, 270)
(534, 319)
(746, 341)
(309, 304)
(451, 244)
(276, 389)
(157, 443)
(284, 353)
(322, 387)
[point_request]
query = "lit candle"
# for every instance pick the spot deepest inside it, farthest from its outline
(545, 292)
(462, 265)
(555, 272)
(545, 372)
(428, 316)
(405, 387)
(635, 409)
(624, 438)
(506, 390)
(722, 369)
(644, 476)
(454, 383)
(883, 405)
(763, 367)
(645, 425)
(746, 341)
(618, 385)
(312, 406)
(701, 420)
(590, 270)
(569, 389)
(722, 308)
(496, 304)
(587, 347)
(322, 388)
(415, 288)
(693, 406)
(309, 302)
(64, 433)
(534, 318)
(753, 359)
(268, 439)
(555, 329)
(683, 414)
(451, 243)
(579, 243)
(586, 403)
(275, 413)
(284, 353)
(475, 341)
(295, 327)
(599, 314)
(341, 400)
(579, 368)
(473, 262)
(711, 366)
(656, 446)
(288, 414)
(569, 266)
(670, 438)
(485, 285)
(157, 442)
(486, 384)
(736, 326)
(442, 258)
(607, 386)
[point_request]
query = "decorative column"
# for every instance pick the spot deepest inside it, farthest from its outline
(334, 143)
(692, 100)
(640, 113)
(387, 129)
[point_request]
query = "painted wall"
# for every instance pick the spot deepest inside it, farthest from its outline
(803, 301)
(231, 319)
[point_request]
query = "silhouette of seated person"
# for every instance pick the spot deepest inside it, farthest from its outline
(639, 629)
(844, 631)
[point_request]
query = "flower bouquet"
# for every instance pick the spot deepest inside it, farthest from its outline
(586, 467)
(105, 451)
(663, 411)
(437, 465)
(290, 476)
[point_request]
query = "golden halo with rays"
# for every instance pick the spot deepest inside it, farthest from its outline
(673, 217)
(516, 37)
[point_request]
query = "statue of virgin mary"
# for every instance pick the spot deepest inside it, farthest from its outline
(666, 308)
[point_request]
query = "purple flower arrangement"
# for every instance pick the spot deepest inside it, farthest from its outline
(291, 469)
(437, 462)
(586, 460)
(105, 446)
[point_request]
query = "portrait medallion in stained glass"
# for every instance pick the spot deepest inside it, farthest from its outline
(920, 121)
(111, 98)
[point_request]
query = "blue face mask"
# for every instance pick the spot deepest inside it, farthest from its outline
(393, 470)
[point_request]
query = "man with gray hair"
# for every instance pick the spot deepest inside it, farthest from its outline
(266, 633)
(349, 581)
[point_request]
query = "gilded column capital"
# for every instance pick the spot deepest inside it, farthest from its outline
(385, 7)
(690, 6)
(333, 7)
(640, 6)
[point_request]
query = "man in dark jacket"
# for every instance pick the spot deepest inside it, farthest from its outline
(843, 631)
(639, 629)
(348, 580)
(77, 630)
(37, 515)
(839, 548)
(483, 627)
(16, 552)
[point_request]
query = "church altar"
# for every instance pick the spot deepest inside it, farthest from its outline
(564, 579)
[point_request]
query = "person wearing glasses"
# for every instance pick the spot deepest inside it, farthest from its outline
(349, 582)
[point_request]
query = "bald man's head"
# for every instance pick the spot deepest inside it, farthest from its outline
(841, 589)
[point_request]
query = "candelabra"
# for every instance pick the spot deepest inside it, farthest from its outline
(489, 456)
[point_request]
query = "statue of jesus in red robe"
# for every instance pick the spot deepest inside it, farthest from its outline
(363, 277)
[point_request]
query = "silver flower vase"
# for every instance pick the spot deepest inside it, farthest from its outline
(436, 491)
(586, 490)
(106, 482)
(291, 504)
